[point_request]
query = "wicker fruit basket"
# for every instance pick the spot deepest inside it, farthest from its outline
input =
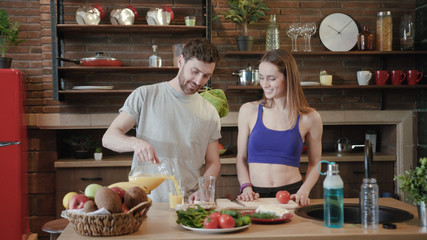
(109, 225)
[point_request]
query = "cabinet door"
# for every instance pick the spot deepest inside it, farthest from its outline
(352, 174)
(76, 180)
(227, 182)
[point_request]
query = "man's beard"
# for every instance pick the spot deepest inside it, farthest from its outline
(185, 85)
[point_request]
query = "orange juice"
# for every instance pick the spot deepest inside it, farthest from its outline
(149, 181)
(174, 200)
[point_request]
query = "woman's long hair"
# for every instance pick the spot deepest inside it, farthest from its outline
(295, 99)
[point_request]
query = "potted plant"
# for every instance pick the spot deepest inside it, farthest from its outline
(98, 153)
(8, 35)
(415, 183)
(82, 144)
(245, 12)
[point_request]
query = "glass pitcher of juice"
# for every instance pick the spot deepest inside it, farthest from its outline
(150, 175)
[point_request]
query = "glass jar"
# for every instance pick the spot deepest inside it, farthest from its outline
(384, 31)
(406, 33)
(365, 40)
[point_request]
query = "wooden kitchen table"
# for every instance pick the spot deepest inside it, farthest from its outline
(160, 224)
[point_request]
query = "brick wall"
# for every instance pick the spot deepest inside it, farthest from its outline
(33, 57)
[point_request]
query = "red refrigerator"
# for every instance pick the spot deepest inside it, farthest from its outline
(14, 220)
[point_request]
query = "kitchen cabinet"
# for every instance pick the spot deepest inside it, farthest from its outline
(130, 44)
(77, 178)
(352, 174)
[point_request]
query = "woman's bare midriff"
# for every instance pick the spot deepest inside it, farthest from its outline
(273, 175)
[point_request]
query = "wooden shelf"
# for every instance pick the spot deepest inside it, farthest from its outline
(126, 69)
(137, 28)
(248, 53)
(418, 86)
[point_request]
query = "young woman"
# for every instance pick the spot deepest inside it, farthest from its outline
(272, 133)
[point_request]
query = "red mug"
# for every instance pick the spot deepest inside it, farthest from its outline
(413, 76)
(397, 77)
(381, 77)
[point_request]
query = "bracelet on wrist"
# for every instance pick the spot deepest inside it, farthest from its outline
(244, 185)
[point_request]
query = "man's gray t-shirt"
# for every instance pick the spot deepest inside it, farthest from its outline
(178, 126)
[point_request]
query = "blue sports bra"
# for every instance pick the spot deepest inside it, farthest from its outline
(272, 146)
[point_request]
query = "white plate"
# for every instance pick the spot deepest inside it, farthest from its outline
(217, 230)
(93, 87)
(310, 83)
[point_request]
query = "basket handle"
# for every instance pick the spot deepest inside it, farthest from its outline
(138, 206)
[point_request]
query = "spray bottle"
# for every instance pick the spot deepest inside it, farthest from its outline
(333, 194)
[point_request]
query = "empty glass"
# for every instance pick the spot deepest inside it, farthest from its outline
(307, 30)
(310, 30)
(293, 32)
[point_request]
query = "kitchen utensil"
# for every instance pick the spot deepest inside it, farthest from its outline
(245, 76)
(233, 199)
(123, 16)
(89, 15)
(343, 145)
(160, 16)
(98, 60)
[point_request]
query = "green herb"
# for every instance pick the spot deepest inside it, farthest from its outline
(192, 217)
(263, 216)
(415, 182)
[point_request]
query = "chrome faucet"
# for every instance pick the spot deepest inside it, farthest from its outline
(369, 158)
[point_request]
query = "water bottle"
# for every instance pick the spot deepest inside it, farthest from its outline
(272, 37)
(333, 194)
(369, 212)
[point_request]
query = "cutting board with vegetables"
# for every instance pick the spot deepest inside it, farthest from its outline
(225, 203)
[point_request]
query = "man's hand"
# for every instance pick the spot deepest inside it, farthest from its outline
(145, 152)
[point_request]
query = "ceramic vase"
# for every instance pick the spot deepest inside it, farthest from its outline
(97, 156)
(422, 214)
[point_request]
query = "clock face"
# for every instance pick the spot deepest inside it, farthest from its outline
(338, 32)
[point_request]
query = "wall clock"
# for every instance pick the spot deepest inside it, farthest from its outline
(338, 32)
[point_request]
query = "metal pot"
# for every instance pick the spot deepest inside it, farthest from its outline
(343, 145)
(98, 60)
(244, 77)
(247, 76)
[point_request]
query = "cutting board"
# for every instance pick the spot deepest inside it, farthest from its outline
(224, 203)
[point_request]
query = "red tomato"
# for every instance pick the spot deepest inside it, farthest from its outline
(215, 215)
(226, 221)
(283, 196)
(211, 222)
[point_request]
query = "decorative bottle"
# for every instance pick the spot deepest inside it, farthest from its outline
(333, 194)
(407, 33)
(155, 60)
(365, 40)
(369, 207)
(272, 40)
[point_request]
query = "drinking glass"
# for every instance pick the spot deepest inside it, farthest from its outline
(293, 33)
(309, 30)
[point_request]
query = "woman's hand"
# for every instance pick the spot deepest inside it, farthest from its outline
(248, 195)
(194, 197)
(301, 198)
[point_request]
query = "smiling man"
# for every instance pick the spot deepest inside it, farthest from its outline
(173, 122)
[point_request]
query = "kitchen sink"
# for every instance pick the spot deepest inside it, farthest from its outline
(352, 213)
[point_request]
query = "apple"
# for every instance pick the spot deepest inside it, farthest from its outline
(78, 201)
(67, 198)
(91, 189)
(125, 209)
(120, 191)
(220, 146)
